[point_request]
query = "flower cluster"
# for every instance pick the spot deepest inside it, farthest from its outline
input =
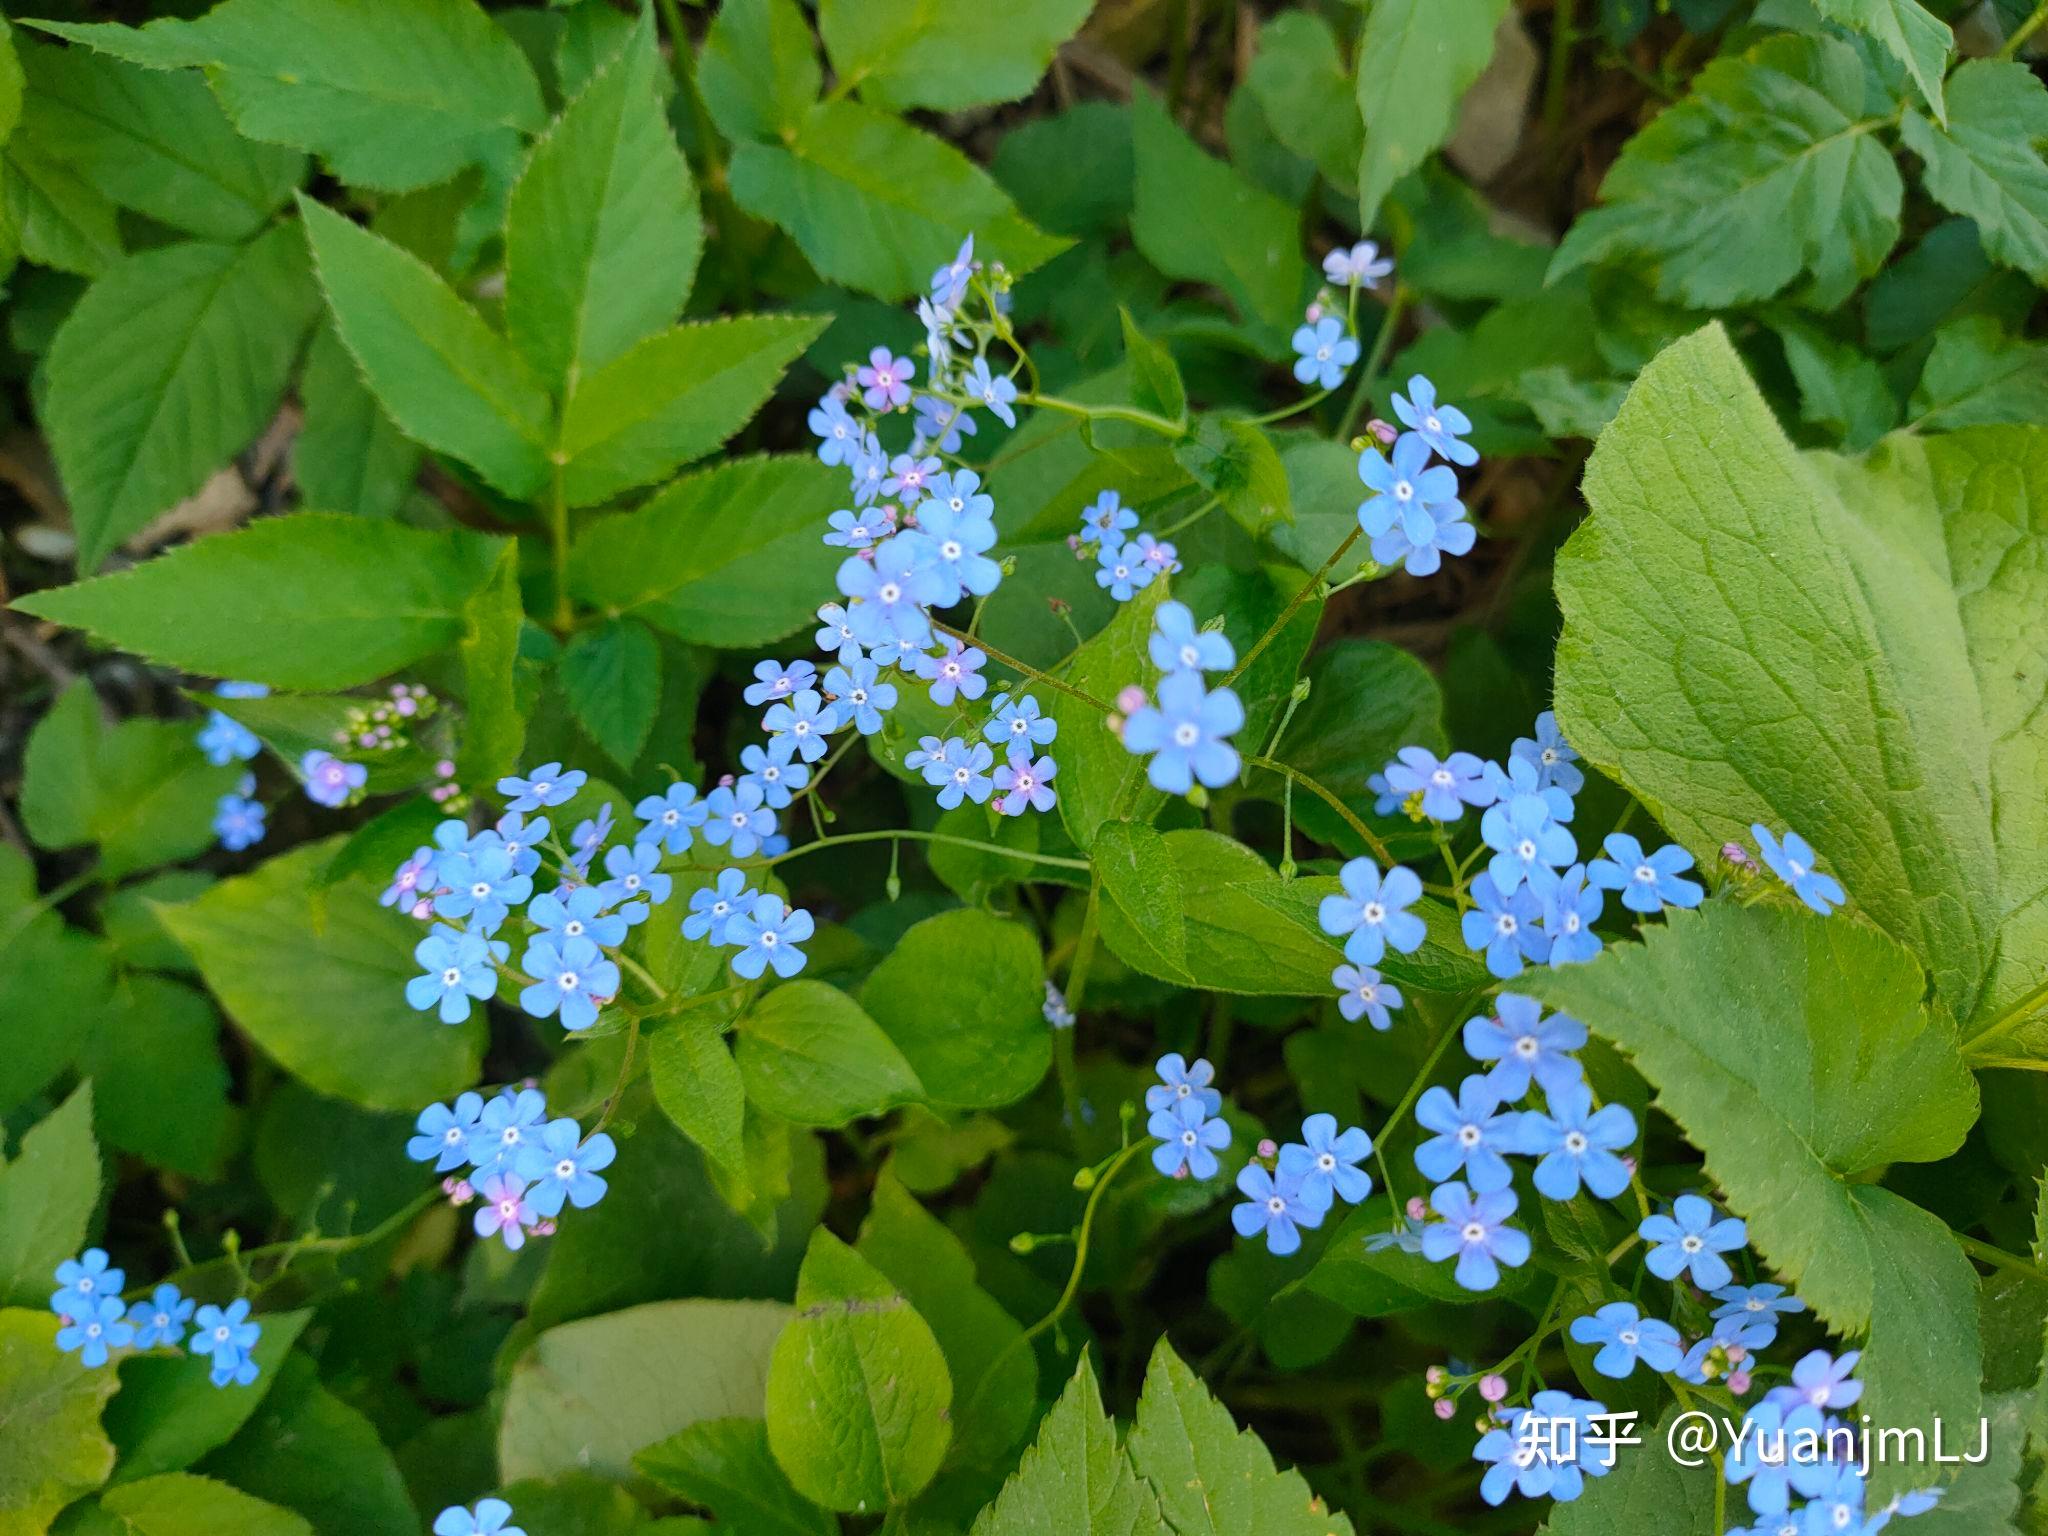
(1126, 562)
(1414, 516)
(386, 724)
(1326, 343)
(95, 1322)
(1304, 1179)
(522, 1166)
(1185, 727)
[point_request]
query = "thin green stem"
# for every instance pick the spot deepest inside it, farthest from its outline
(1193, 517)
(842, 839)
(1294, 603)
(625, 1075)
(1370, 838)
(1150, 421)
(1023, 669)
(2012, 1018)
(1073, 1286)
(1369, 375)
(1998, 1258)
(2011, 46)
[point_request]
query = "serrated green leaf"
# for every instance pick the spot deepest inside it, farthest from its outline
(1986, 163)
(50, 975)
(1907, 30)
(494, 727)
(349, 455)
(961, 995)
(181, 1504)
(1196, 218)
(168, 1413)
(1416, 59)
(1795, 1053)
(169, 365)
(52, 1449)
(1646, 1489)
(877, 205)
(758, 70)
(52, 215)
(392, 94)
(611, 676)
(1212, 1478)
(725, 1466)
(1769, 170)
(1679, 687)
(1075, 1478)
(1840, 387)
(811, 1056)
(602, 234)
(926, 53)
(728, 556)
(47, 1198)
(858, 1392)
(1977, 375)
(317, 978)
(307, 601)
(673, 398)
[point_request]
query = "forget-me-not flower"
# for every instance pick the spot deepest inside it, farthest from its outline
(714, 904)
(1575, 1143)
(1185, 734)
(544, 786)
(1325, 1161)
(1179, 1082)
(738, 819)
(1474, 1228)
(1524, 1045)
(559, 1166)
(1570, 910)
(1472, 1133)
(1552, 757)
(1442, 427)
(1277, 1206)
(1177, 645)
(1121, 569)
(671, 817)
(1446, 786)
(455, 967)
(768, 936)
(861, 695)
(1019, 721)
(1372, 913)
(1024, 784)
(1792, 862)
(1324, 353)
(1189, 1140)
(1692, 1239)
(1362, 993)
(1626, 1336)
(1505, 927)
(1648, 882)
(771, 768)
(572, 978)
(444, 1135)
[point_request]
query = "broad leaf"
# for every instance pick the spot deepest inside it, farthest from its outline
(1416, 60)
(180, 1504)
(167, 367)
(349, 456)
(1302, 86)
(961, 996)
(47, 1198)
(699, 1087)
(1099, 780)
(1236, 461)
(725, 1466)
(52, 1449)
(1977, 375)
(1986, 163)
(298, 602)
(1646, 1489)
(494, 724)
(758, 70)
(1075, 1478)
(810, 1055)
(168, 1413)
(611, 675)
(51, 975)
(1384, 1281)
(925, 53)
(1912, 35)
(160, 1088)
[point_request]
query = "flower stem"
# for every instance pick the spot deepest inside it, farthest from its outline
(1273, 629)
(1023, 669)
(1369, 375)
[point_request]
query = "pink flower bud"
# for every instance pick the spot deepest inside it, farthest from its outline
(445, 768)
(1445, 1408)
(1738, 1382)
(1268, 1147)
(1493, 1388)
(458, 1191)
(1313, 313)
(1385, 431)
(1130, 698)
(1629, 1163)
(1434, 1376)
(543, 1228)
(1416, 1209)
(1737, 855)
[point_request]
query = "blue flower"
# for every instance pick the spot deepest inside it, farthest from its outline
(1122, 569)
(990, 390)
(1647, 882)
(503, 1128)
(771, 768)
(867, 469)
(545, 785)
(910, 477)
(1475, 1229)
(159, 1322)
(837, 432)
(1440, 426)
(1446, 787)
(1823, 1381)
(737, 819)
(456, 967)
(1626, 1336)
(891, 591)
(959, 493)
(1361, 264)
(835, 635)
(1385, 798)
(1373, 911)
(1278, 1207)
(1837, 1509)
(954, 672)
(521, 839)
(961, 537)
(768, 936)
(489, 1520)
(1692, 1239)
(1521, 777)
(1423, 536)
(1405, 486)
(329, 780)
(578, 912)
(404, 891)
(238, 822)
(1769, 1458)
(884, 380)
(670, 817)
(940, 423)
(713, 905)
(1569, 913)
(929, 758)
(962, 772)
(1179, 1082)
(806, 719)
(227, 1334)
(505, 1211)
(1106, 519)
(1177, 646)
(1757, 1305)
(1551, 756)
(861, 695)
(851, 530)
(1471, 1135)
(558, 1165)
(1361, 993)
(1325, 1161)
(572, 979)
(773, 681)
(949, 284)
(1576, 1142)
(1792, 861)
(1019, 721)
(227, 741)
(1158, 554)
(1326, 353)
(591, 834)
(1529, 845)
(1185, 734)
(1025, 785)
(1505, 927)
(1188, 1140)
(85, 1281)
(481, 885)
(96, 1327)
(445, 1137)
(1524, 1045)
(1516, 1464)
(634, 871)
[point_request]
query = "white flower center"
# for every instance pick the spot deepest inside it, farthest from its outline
(1186, 734)
(1474, 1232)
(565, 1169)
(566, 981)
(1574, 1142)
(1690, 1243)
(1403, 491)
(1468, 1135)
(450, 976)
(889, 592)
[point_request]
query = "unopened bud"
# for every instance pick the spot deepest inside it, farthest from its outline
(1268, 1147)
(1130, 699)
(1738, 1382)
(1023, 1242)
(1433, 1379)
(1417, 1209)
(1445, 1408)
(1493, 1388)
(1383, 431)
(1085, 1179)
(1736, 856)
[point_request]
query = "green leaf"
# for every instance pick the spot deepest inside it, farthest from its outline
(1301, 85)
(758, 70)
(47, 1198)
(1075, 1478)
(168, 366)
(1768, 170)
(611, 675)
(1155, 378)
(1196, 218)
(701, 1089)
(1841, 387)
(308, 601)
(52, 1449)
(54, 216)
(1237, 462)
(156, 143)
(1099, 780)
(1977, 376)
(727, 556)
(1212, 1478)
(392, 94)
(160, 1088)
(1795, 1053)
(858, 1393)
(140, 790)
(591, 1395)
(180, 1504)
(349, 456)
(1986, 163)
(448, 379)
(1646, 1489)
(602, 234)
(877, 205)
(317, 978)
(1416, 59)
(673, 398)
(983, 1344)
(1071, 172)
(1908, 32)
(494, 725)
(961, 995)
(168, 1413)
(725, 1466)
(50, 975)
(1382, 1282)
(925, 53)
(811, 1056)
(1678, 688)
